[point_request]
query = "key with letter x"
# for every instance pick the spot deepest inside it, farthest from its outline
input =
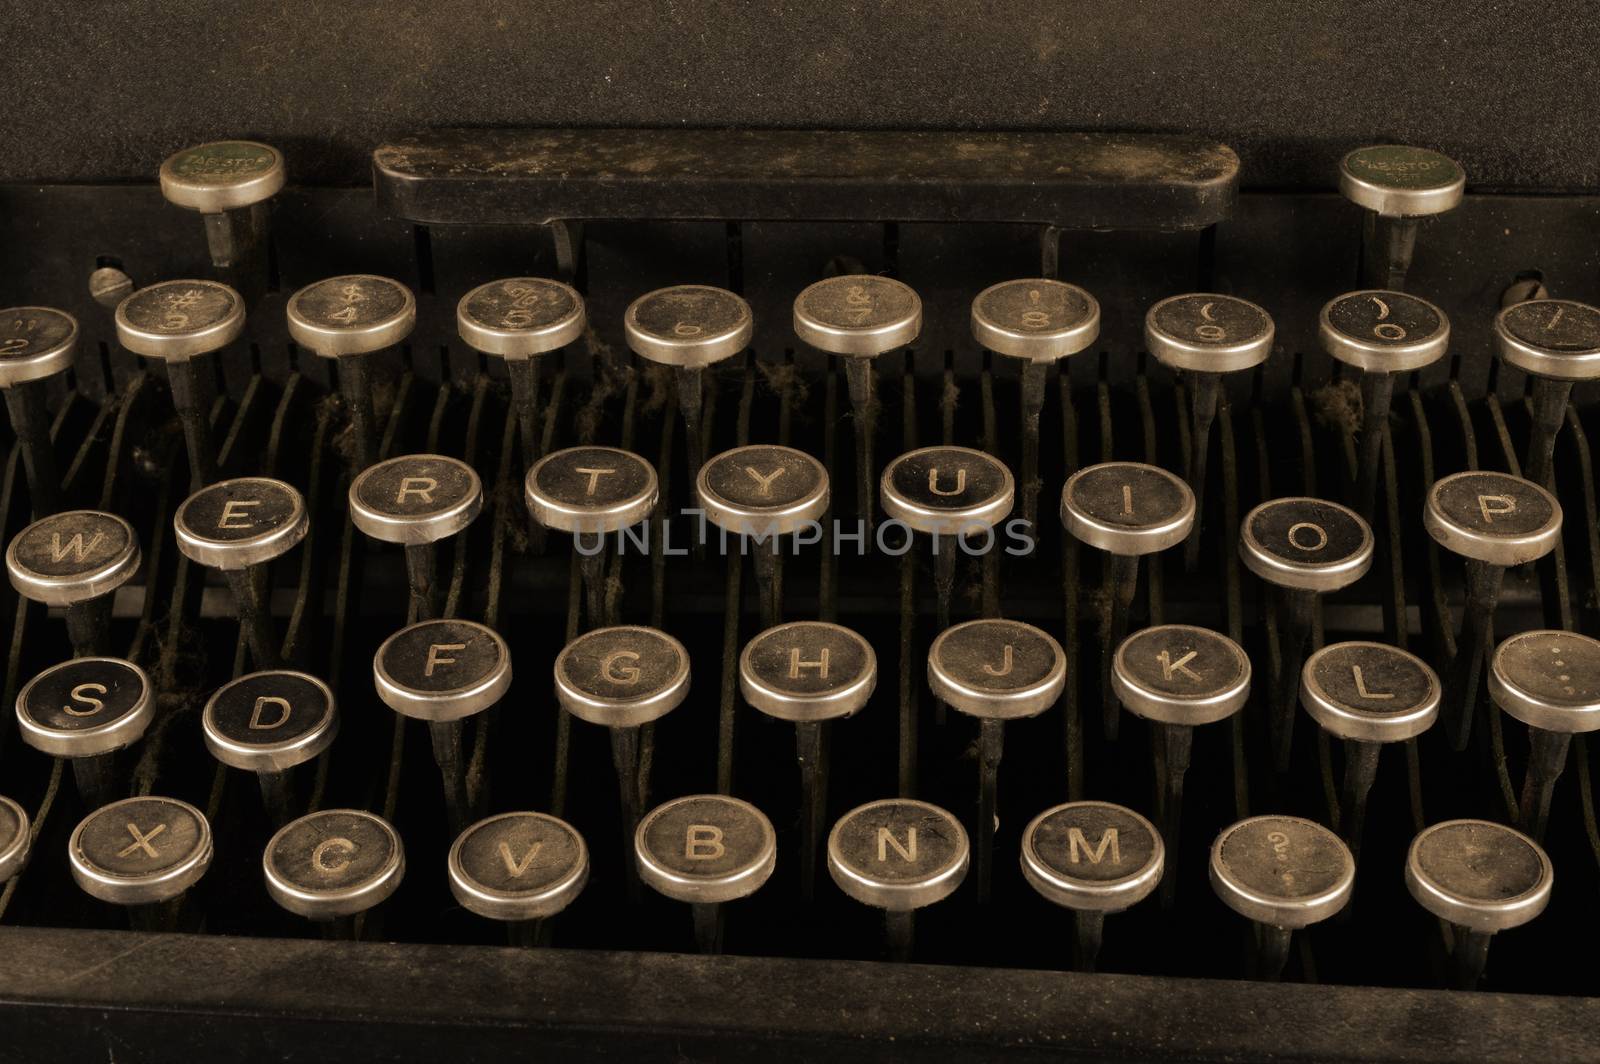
(143, 853)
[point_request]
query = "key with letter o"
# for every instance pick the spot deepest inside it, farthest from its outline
(706, 849)
(1304, 547)
(334, 863)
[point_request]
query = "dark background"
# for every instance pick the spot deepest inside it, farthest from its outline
(104, 90)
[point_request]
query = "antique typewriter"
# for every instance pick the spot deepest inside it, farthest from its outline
(695, 593)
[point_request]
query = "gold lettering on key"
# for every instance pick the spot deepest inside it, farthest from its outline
(858, 304)
(74, 546)
(1034, 318)
(961, 481)
(594, 476)
(141, 841)
(259, 723)
(1210, 331)
(234, 512)
(1386, 330)
(81, 693)
(436, 659)
(420, 486)
(1170, 668)
(319, 856)
(514, 867)
(1492, 506)
(703, 842)
(886, 839)
(1127, 500)
(1007, 660)
(796, 664)
(1280, 853)
(627, 675)
(1319, 537)
(1076, 842)
(765, 481)
(1361, 686)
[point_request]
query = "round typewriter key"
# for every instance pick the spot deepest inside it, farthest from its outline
(1367, 694)
(443, 671)
(518, 868)
(36, 343)
(995, 670)
(141, 852)
(1094, 858)
(87, 709)
(518, 319)
(267, 723)
(1179, 677)
(947, 492)
(181, 322)
(334, 864)
(229, 182)
(859, 317)
(347, 318)
(623, 678)
(689, 327)
(1126, 509)
(416, 500)
(1204, 335)
(1303, 546)
(1284, 873)
(809, 672)
(1397, 185)
(1382, 334)
(76, 559)
(1550, 681)
(1481, 878)
(1493, 520)
(16, 839)
(591, 491)
(1038, 321)
(1557, 342)
(706, 849)
(238, 526)
(898, 855)
(760, 493)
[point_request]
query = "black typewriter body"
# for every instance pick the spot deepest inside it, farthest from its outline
(1140, 153)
